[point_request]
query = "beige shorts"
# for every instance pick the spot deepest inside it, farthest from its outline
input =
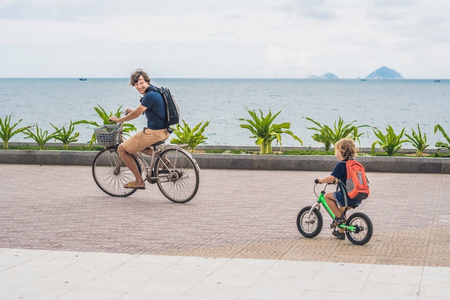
(144, 139)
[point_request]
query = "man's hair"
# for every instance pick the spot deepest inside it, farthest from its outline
(134, 78)
(346, 147)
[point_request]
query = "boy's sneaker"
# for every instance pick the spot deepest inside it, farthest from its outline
(338, 221)
(339, 235)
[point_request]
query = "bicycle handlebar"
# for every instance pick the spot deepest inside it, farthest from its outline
(316, 181)
(122, 113)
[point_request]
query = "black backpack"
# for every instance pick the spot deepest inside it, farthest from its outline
(172, 110)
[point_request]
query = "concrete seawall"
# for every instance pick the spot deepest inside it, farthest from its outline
(244, 161)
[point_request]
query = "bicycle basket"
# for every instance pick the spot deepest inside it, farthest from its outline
(107, 135)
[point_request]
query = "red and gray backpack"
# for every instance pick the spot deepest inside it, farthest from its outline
(357, 183)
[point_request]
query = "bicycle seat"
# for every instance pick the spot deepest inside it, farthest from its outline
(158, 143)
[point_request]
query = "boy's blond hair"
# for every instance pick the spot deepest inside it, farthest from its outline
(346, 147)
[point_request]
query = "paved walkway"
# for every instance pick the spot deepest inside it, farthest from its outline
(62, 238)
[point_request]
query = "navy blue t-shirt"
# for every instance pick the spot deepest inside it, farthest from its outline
(155, 112)
(340, 172)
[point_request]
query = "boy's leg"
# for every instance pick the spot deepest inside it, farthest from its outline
(329, 198)
(331, 201)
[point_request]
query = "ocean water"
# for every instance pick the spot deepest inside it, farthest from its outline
(377, 103)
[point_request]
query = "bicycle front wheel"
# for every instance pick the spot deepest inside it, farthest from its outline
(309, 225)
(177, 175)
(111, 174)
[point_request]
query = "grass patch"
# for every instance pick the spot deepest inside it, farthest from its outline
(440, 155)
(307, 152)
(385, 154)
(61, 148)
(221, 151)
(232, 151)
(287, 152)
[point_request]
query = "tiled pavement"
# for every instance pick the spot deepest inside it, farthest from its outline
(62, 238)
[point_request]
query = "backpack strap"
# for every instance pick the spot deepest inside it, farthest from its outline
(345, 198)
(155, 89)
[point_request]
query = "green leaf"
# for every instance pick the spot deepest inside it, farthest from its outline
(192, 137)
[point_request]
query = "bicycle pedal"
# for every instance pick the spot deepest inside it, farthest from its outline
(152, 181)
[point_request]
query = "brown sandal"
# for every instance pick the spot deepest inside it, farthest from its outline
(131, 185)
(338, 221)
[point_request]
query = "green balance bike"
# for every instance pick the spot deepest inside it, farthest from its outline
(358, 227)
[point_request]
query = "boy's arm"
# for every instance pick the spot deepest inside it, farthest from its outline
(328, 179)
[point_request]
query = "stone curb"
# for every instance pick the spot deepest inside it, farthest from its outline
(244, 161)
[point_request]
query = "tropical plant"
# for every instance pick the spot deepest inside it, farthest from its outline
(105, 120)
(442, 145)
(40, 137)
(192, 137)
(264, 131)
(327, 135)
(66, 136)
(418, 140)
(7, 131)
(389, 142)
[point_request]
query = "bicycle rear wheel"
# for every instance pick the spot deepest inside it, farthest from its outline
(177, 175)
(364, 228)
(111, 174)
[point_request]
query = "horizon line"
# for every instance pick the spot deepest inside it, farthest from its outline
(240, 78)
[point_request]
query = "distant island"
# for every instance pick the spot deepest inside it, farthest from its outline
(324, 76)
(384, 73)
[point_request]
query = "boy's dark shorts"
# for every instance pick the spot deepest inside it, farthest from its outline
(339, 197)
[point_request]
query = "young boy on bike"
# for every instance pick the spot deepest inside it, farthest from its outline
(345, 149)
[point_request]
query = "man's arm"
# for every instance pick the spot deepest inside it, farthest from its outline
(131, 116)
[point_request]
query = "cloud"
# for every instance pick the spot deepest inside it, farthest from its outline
(223, 38)
(51, 9)
(312, 9)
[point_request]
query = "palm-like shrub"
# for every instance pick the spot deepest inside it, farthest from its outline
(389, 142)
(192, 137)
(265, 131)
(40, 137)
(442, 145)
(7, 131)
(66, 136)
(328, 136)
(105, 120)
(418, 140)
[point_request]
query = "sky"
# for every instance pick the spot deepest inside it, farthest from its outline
(223, 39)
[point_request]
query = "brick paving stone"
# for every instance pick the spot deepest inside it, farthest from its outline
(236, 213)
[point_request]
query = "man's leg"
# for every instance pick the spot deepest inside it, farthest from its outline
(131, 164)
(148, 151)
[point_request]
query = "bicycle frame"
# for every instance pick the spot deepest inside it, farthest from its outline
(321, 200)
(149, 167)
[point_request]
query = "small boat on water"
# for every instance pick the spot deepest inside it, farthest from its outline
(83, 79)
(437, 80)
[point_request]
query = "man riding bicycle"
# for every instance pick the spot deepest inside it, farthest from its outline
(152, 104)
